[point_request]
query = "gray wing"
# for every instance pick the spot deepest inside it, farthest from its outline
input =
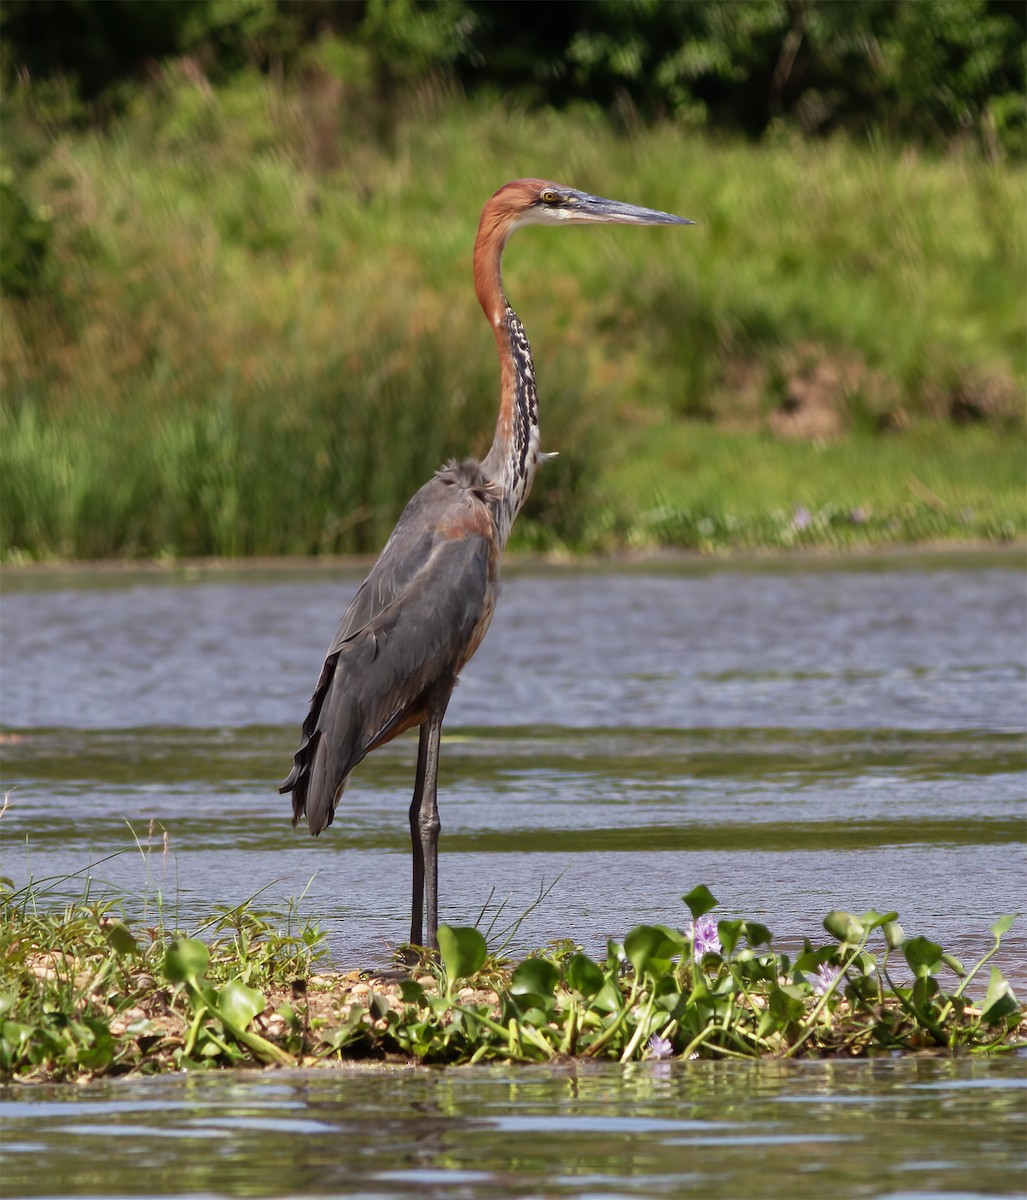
(414, 622)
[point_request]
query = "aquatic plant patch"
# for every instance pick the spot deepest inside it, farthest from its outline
(83, 994)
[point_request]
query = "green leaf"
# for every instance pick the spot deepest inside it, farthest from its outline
(894, 934)
(1003, 925)
(700, 901)
(866, 988)
(121, 939)
(872, 919)
(809, 960)
(757, 934)
(614, 954)
(923, 955)
(238, 1004)
(536, 975)
(533, 1008)
(787, 1003)
(97, 1044)
(844, 926)
(378, 1005)
(411, 992)
(924, 989)
(463, 951)
(15, 1034)
(999, 1001)
(729, 930)
(647, 945)
(583, 975)
(186, 960)
(607, 999)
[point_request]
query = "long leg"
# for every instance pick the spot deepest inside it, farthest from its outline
(425, 824)
(417, 901)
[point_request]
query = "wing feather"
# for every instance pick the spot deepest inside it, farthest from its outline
(414, 622)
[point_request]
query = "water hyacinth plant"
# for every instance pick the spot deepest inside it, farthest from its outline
(82, 994)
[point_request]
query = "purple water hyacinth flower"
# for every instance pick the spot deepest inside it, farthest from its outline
(802, 517)
(704, 935)
(825, 978)
(658, 1047)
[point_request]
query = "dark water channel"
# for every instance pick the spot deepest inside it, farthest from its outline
(797, 737)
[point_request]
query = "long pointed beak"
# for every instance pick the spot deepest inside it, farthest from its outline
(580, 206)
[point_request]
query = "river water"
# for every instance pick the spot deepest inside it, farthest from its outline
(799, 736)
(912, 1129)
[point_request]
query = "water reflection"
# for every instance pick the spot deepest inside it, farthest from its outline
(770, 1129)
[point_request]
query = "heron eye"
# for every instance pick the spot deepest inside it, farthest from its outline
(548, 196)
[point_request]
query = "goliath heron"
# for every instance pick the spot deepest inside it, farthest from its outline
(424, 608)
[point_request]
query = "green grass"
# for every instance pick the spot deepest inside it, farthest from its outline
(710, 489)
(256, 333)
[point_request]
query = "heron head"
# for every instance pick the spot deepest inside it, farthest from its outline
(542, 202)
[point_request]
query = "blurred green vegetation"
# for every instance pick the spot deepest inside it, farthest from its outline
(924, 70)
(238, 317)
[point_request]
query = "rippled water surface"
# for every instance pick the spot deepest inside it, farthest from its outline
(924, 1128)
(797, 737)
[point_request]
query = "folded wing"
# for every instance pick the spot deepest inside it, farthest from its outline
(411, 627)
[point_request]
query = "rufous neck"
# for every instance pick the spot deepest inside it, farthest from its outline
(514, 455)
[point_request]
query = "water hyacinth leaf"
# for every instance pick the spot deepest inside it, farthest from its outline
(463, 951)
(96, 1042)
(614, 954)
(757, 934)
(865, 962)
(607, 999)
(700, 901)
(999, 1001)
(866, 987)
(872, 919)
(16, 1034)
(532, 1007)
(186, 959)
(810, 960)
(730, 931)
(923, 955)
(647, 945)
(1003, 925)
(411, 992)
(583, 975)
(239, 1004)
(121, 940)
(844, 926)
(700, 994)
(786, 1002)
(894, 934)
(535, 975)
(377, 1005)
(674, 935)
(953, 964)
(924, 989)
(674, 1004)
